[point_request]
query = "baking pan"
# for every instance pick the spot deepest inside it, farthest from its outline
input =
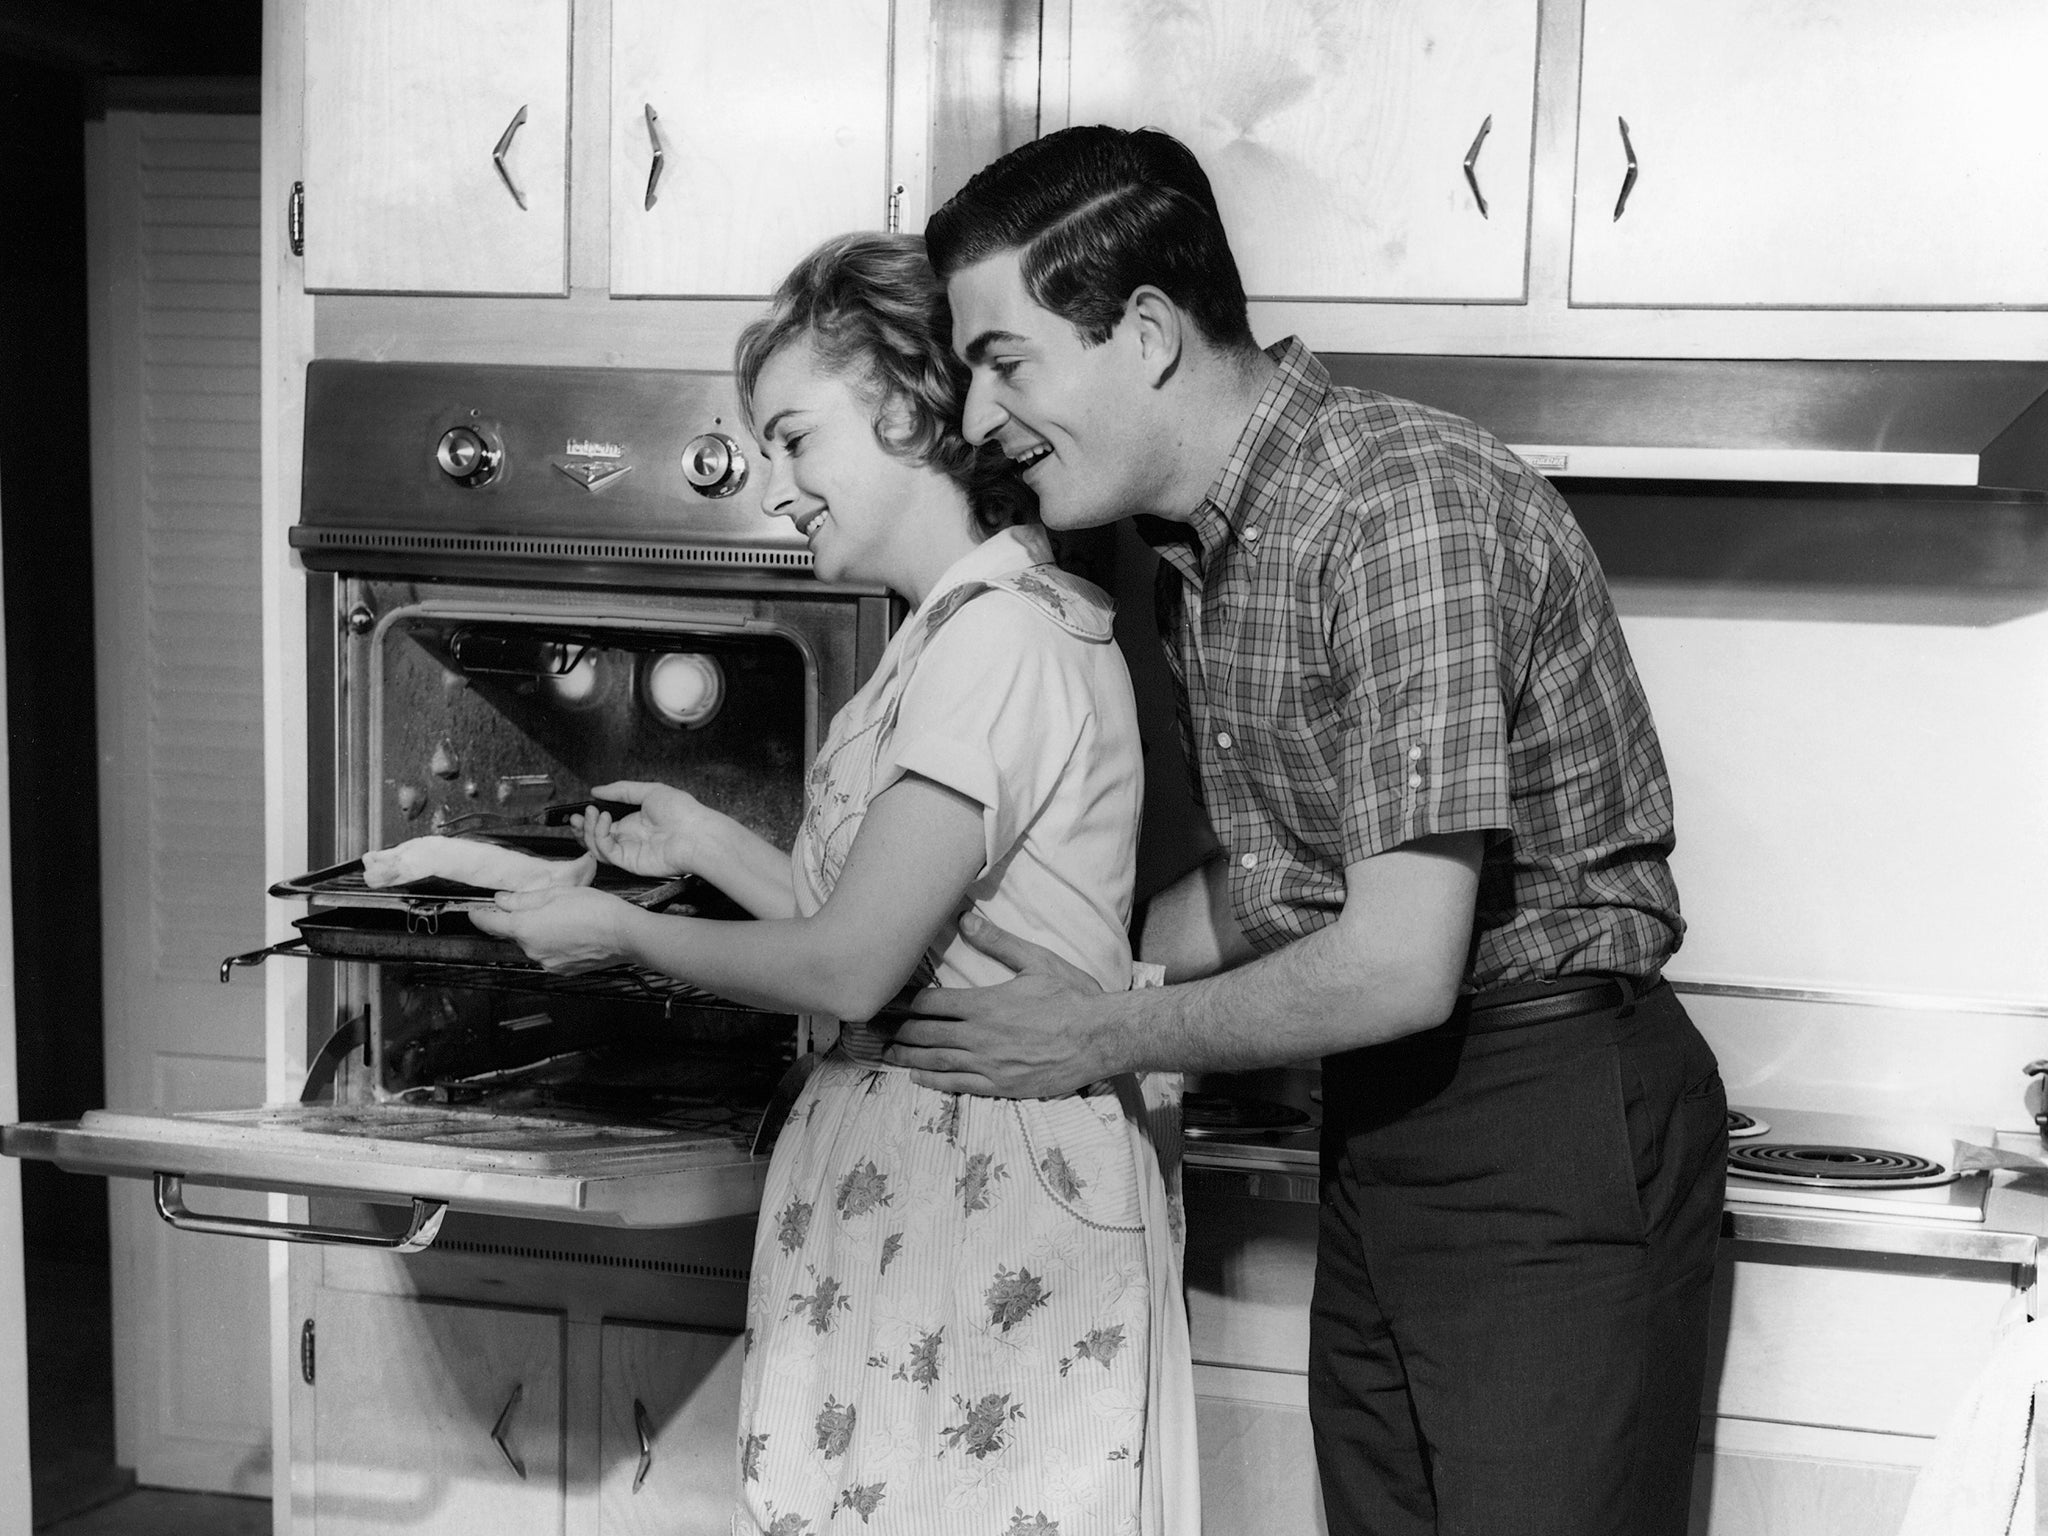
(360, 933)
(439, 934)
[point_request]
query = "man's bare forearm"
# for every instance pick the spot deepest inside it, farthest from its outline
(1313, 998)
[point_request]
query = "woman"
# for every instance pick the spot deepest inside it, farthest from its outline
(965, 1312)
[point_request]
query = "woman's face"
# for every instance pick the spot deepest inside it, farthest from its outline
(829, 475)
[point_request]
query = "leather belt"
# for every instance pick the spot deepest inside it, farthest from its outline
(1565, 998)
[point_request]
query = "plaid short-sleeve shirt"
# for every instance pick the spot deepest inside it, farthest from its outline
(1388, 627)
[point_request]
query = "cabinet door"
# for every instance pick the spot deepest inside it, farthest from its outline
(671, 1418)
(1844, 154)
(772, 124)
(410, 106)
(1336, 136)
(436, 1416)
(1258, 1454)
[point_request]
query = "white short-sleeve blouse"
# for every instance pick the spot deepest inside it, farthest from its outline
(1006, 687)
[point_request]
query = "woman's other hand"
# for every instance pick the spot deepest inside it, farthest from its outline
(567, 929)
(664, 838)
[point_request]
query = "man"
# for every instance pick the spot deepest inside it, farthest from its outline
(1444, 822)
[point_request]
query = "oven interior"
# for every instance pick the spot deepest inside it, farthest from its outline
(462, 709)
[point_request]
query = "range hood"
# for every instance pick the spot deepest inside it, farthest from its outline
(1841, 422)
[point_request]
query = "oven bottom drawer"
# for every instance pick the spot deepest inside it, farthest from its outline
(436, 1158)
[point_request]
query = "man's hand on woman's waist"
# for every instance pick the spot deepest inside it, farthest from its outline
(1390, 965)
(1028, 1038)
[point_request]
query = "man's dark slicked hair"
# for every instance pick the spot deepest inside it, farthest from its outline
(1095, 213)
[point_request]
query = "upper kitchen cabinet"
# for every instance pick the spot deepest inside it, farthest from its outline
(1886, 154)
(436, 146)
(741, 136)
(1358, 151)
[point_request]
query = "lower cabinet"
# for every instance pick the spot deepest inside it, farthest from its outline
(435, 1416)
(1829, 1372)
(517, 1379)
(670, 1399)
(1258, 1455)
(1250, 1272)
(1829, 1375)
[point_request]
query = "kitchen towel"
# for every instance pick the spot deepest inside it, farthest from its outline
(1980, 1479)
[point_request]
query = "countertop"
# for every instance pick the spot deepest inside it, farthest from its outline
(2014, 1226)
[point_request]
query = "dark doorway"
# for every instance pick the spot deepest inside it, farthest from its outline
(59, 61)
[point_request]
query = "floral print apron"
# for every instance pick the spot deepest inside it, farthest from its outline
(965, 1314)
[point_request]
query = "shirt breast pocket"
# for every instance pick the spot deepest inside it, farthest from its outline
(1292, 772)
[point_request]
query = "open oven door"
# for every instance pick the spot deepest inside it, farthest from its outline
(487, 1158)
(434, 1159)
(546, 1139)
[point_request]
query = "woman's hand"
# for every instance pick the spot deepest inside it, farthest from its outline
(566, 928)
(663, 838)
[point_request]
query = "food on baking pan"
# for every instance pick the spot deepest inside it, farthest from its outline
(472, 863)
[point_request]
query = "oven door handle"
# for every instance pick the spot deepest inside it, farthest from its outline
(423, 1229)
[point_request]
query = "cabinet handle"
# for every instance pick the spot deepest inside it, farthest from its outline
(1472, 165)
(423, 1229)
(646, 1433)
(498, 156)
(654, 167)
(498, 1431)
(1628, 181)
(295, 219)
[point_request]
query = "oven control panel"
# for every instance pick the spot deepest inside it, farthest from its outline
(590, 474)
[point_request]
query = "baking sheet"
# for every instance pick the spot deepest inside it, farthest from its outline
(343, 885)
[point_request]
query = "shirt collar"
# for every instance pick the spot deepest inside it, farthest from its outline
(1015, 548)
(1279, 422)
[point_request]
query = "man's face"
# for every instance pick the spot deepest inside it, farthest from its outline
(1074, 416)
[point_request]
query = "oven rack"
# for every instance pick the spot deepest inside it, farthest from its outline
(624, 983)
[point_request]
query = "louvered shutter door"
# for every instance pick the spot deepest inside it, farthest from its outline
(176, 527)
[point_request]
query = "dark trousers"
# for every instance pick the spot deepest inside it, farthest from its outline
(1515, 1262)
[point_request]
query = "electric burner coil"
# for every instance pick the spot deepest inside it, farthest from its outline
(1834, 1167)
(1224, 1115)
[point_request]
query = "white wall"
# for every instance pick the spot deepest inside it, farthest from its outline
(1862, 806)
(1862, 810)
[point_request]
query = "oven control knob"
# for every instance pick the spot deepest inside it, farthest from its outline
(469, 456)
(714, 465)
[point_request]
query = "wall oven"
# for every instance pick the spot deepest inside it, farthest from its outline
(523, 583)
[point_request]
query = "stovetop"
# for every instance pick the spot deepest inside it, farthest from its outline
(1956, 1201)
(1959, 1199)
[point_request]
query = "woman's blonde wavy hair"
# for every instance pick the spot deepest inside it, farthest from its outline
(875, 314)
